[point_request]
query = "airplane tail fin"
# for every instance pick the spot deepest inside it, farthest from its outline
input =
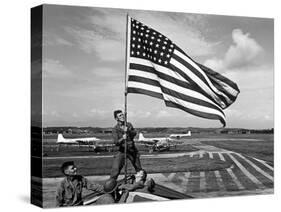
(60, 138)
(141, 137)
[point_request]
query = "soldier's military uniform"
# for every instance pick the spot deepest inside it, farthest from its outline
(132, 152)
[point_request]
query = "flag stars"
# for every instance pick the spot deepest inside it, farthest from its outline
(148, 44)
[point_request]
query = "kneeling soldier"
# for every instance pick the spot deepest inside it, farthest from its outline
(69, 191)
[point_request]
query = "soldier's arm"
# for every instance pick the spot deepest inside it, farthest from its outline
(132, 187)
(60, 196)
(117, 141)
(92, 186)
(131, 130)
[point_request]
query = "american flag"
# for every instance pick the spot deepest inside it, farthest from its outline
(159, 68)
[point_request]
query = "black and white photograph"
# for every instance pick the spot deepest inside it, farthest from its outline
(132, 105)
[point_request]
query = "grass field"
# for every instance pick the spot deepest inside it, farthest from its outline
(259, 146)
(102, 166)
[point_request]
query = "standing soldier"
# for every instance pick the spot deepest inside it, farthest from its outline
(119, 137)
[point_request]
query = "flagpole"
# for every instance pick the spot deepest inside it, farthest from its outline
(128, 31)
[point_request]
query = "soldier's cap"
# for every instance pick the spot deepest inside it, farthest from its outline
(65, 165)
(110, 186)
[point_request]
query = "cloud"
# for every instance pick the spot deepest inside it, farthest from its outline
(181, 29)
(244, 52)
(138, 114)
(99, 112)
(107, 49)
(163, 114)
(110, 73)
(55, 69)
(105, 32)
(52, 39)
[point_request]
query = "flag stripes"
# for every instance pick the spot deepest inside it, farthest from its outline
(166, 79)
(172, 89)
(192, 70)
(159, 68)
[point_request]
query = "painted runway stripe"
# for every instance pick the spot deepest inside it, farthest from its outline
(211, 155)
(228, 181)
(202, 184)
(246, 172)
(211, 181)
(219, 180)
(264, 163)
(194, 182)
(171, 176)
(221, 156)
(256, 167)
(263, 167)
(244, 180)
(185, 180)
(235, 179)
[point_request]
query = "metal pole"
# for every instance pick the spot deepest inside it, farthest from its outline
(128, 31)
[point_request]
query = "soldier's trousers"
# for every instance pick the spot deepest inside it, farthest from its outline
(119, 161)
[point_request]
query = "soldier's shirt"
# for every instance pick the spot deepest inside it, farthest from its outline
(69, 192)
(118, 133)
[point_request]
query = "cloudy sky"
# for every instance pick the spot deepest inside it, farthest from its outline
(84, 66)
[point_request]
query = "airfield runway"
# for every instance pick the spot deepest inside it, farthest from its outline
(247, 175)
